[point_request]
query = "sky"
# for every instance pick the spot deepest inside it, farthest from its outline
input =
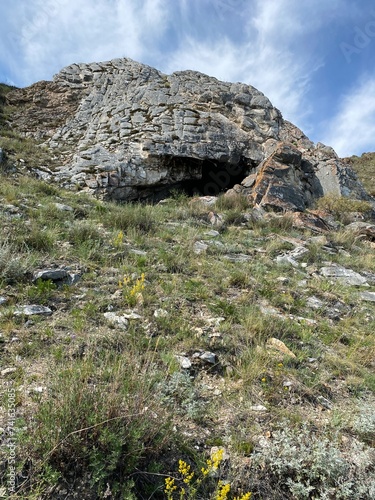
(314, 59)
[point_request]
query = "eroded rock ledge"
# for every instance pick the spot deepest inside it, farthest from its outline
(126, 131)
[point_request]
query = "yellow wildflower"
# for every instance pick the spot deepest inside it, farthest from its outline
(184, 470)
(223, 491)
(170, 487)
(246, 496)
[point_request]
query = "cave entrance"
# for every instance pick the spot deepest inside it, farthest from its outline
(202, 177)
(215, 177)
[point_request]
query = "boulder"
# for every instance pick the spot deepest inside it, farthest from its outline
(124, 131)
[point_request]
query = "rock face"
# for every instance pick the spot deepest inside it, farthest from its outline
(126, 131)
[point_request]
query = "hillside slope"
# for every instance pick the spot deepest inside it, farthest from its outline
(364, 166)
(142, 343)
(134, 336)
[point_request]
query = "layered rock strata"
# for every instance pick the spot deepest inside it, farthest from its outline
(123, 130)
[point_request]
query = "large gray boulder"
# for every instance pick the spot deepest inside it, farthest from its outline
(126, 131)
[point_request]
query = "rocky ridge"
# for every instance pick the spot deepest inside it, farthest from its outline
(123, 130)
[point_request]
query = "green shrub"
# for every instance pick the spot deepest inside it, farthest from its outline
(142, 218)
(13, 265)
(100, 420)
(302, 464)
(340, 207)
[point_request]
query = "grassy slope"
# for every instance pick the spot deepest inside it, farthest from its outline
(74, 370)
(105, 410)
(365, 167)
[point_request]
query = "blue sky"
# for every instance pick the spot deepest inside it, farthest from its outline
(314, 59)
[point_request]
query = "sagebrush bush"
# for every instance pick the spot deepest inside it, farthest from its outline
(13, 264)
(364, 423)
(304, 464)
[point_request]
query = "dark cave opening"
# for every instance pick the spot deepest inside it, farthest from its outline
(202, 177)
(214, 177)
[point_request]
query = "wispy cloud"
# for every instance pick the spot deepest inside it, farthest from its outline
(288, 49)
(275, 53)
(352, 129)
(42, 36)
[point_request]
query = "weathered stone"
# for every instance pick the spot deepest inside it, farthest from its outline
(363, 229)
(58, 276)
(133, 132)
(51, 274)
(212, 233)
(31, 310)
(8, 371)
(160, 313)
(116, 320)
(199, 247)
(292, 257)
(258, 408)
(208, 357)
(346, 276)
(130, 132)
(237, 257)
(314, 303)
(63, 208)
(324, 402)
(367, 296)
(184, 362)
(3, 300)
(280, 346)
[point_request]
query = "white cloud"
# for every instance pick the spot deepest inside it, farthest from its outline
(352, 129)
(275, 55)
(275, 45)
(49, 34)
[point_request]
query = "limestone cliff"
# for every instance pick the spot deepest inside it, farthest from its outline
(123, 130)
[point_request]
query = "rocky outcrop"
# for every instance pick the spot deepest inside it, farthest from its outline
(126, 131)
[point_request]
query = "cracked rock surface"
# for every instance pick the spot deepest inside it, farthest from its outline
(123, 130)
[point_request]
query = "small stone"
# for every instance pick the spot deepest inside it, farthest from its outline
(205, 200)
(199, 247)
(212, 233)
(38, 389)
(160, 313)
(346, 276)
(215, 321)
(3, 300)
(185, 362)
(51, 274)
(132, 315)
(280, 346)
(138, 252)
(208, 357)
(324, 402)
(7, 371)
(367, 296)
(312, 360)
(287, 383)
(238, 257)
(215, 219)
(282, 279)
(64, 208)
(258, 408)
(314, 303)
(292, 257)
(116, 320)
(31, 310)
